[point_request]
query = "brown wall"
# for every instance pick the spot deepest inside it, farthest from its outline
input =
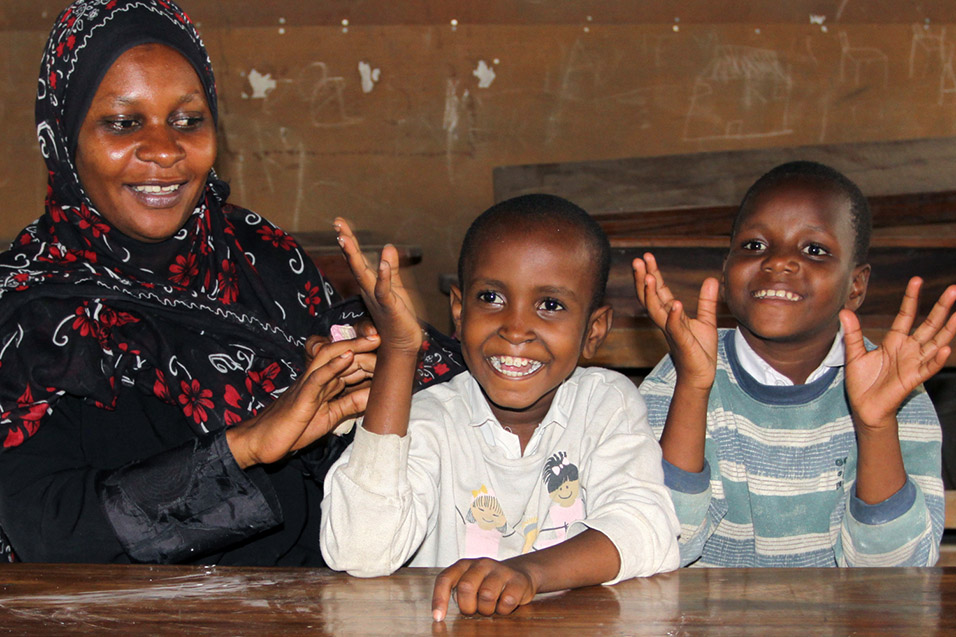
(412, 158)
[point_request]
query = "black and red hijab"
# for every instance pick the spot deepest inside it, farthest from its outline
(88, 312)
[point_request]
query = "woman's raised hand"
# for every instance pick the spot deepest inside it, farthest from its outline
(309, 409)
(385, 297)
(692, 341)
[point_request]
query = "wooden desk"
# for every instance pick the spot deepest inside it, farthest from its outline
(141, 600)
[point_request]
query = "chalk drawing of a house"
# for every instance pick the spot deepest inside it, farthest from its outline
(742, 92)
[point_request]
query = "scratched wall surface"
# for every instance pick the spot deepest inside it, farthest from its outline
(394, 114)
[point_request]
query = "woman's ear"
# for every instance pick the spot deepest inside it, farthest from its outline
(599, 324)
(455, 300)
(861, 278)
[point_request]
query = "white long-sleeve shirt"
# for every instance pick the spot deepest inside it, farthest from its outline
(456, 486)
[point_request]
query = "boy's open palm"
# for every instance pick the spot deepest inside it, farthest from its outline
(385, 297)
(878, 381)
(692, 341)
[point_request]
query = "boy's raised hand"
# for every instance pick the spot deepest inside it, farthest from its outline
(692, 341)
(878, 381)
(385, 297)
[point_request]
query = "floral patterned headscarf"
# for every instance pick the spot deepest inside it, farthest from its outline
(211, 320)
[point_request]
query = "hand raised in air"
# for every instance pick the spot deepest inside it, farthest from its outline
(692, 341)
(878, 381)
(385, 297)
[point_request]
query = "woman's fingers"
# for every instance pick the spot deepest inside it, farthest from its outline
(329, 351)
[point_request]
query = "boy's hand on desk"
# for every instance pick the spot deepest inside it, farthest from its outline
(484, 586)
(692, 341)
(385, 297)
(878, 381)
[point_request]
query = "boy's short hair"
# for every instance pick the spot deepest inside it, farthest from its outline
(828, 178)
(535, 210)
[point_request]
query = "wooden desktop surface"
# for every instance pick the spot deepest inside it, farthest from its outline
(150, 600)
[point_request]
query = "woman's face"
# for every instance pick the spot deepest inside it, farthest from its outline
(147, 143)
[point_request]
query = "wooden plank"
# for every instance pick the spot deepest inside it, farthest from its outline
(950, 522)
(913, 210)
(718, 179)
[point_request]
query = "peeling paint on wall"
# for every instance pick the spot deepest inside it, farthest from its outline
(369, 76)
(261, 85)
(485, 74)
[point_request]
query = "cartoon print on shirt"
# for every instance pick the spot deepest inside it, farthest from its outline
(564, 488)
(529, 529)
(485, 524)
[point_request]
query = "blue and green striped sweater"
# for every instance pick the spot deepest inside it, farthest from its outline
(778, 485)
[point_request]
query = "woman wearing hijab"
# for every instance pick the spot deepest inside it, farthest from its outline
(155, 401)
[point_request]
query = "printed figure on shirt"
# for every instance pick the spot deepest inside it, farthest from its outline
(564, 488)
(485, 523)
(526, 420)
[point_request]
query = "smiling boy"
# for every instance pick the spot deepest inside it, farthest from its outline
(790, 441)
(478, 474)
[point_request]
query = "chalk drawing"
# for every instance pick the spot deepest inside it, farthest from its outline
(817, 19)
(369, 76)
(485, 74)
(860, 58)
(743, 92)
(839, 13)
(931, 43)
(261, 85)
(325, 95)
(580, 76)
(947, 79)
(457, 121)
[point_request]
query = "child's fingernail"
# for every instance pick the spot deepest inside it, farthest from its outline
(340, 239)
(346, 354)
(437, 615)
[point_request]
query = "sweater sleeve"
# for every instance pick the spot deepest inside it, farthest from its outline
(698, 497)
(627, 499)
(906, 528)
(174, 505)
(377, 508)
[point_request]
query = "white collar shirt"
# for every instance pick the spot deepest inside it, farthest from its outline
(764, 374)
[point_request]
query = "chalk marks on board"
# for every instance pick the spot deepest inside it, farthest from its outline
(861, 58)
(947, 78)
(743, 92)
(928, 45)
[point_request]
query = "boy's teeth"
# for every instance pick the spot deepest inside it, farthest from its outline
(777, 294)
(507, 364)
(154, 190)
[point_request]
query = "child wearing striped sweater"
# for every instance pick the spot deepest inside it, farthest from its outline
(792, 440)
